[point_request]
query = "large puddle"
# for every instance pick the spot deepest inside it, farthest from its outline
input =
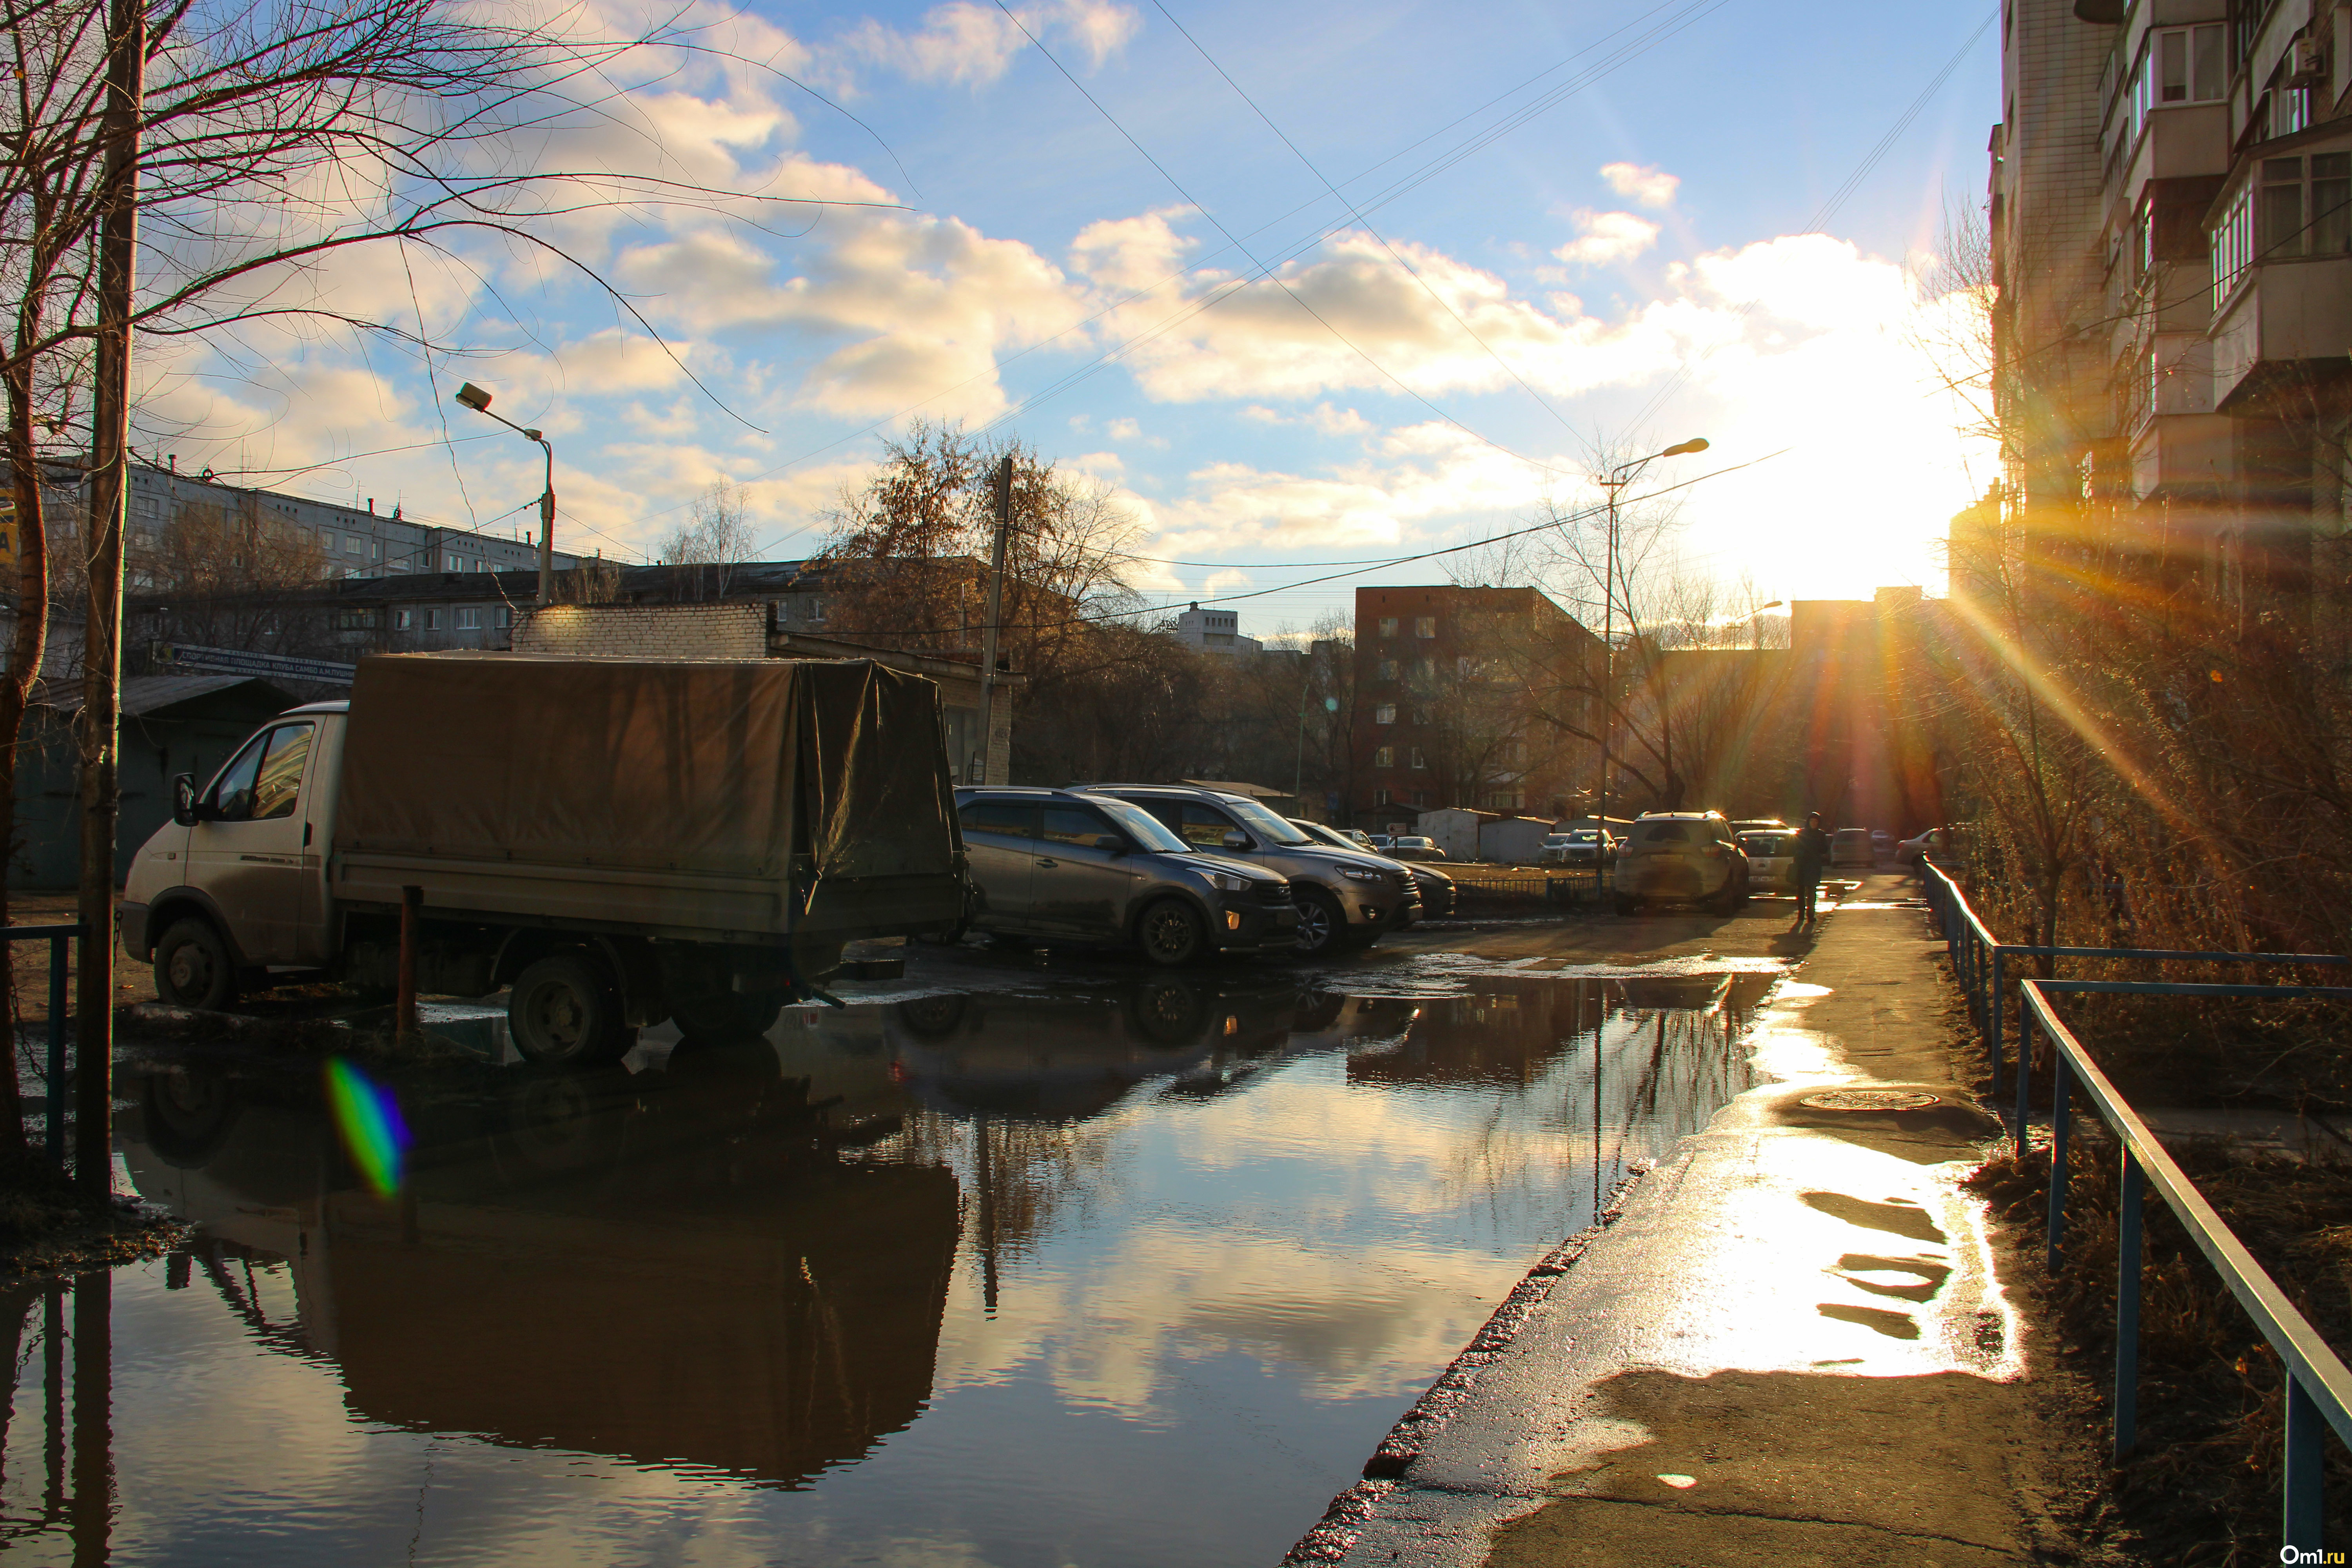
(1133, 1273)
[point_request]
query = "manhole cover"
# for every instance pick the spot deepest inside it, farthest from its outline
(1869, 1100)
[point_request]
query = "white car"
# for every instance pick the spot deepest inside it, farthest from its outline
(1911, 851)
(1772, 859)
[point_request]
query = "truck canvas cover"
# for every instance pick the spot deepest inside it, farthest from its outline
(823, 782)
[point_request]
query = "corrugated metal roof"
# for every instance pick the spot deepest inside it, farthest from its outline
(144, 694)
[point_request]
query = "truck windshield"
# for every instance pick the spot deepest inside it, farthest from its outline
(1263, 823)
(1141, 825)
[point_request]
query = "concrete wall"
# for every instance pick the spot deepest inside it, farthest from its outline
(646, 631)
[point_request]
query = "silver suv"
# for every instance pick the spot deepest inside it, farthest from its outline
(1048, 863)
(1345, 899)
(1681, 857)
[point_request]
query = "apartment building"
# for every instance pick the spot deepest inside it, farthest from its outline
(2171, 209)
(1449, 682)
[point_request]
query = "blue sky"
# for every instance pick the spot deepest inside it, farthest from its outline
(1638, 254)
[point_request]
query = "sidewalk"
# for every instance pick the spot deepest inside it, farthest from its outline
(1793, 1348)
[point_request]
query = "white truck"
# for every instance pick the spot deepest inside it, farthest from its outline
(619, 842)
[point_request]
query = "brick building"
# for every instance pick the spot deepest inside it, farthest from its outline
(1444, 714)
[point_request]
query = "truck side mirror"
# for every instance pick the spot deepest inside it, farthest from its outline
(183, 800)
(1235, 839)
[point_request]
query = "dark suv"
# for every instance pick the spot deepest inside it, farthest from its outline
(1048, 863)
(1346, 897)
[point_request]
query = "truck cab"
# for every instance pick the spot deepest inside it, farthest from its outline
(237, 882)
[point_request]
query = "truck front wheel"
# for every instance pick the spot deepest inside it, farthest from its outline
(193, 968)
(563, 1010)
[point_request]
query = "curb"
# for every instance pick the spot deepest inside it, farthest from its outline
(1335, 1534)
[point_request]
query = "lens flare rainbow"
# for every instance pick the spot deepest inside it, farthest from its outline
(368, 1116)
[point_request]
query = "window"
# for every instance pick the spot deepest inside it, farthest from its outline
(1384, 714)
(1417, 759)
(2278, 228)
(1425, 670)
(376, 553)
(354, 546)
(1075, 827)
(1380, 798)
(1388, 626)
(1388, 669)
(1421, 715)
(432, 620)
(266, 779)
(404, 620)
(1425, 626)
(1385, 757)
(2233, 245)
(469, 620)
(505, 616)
(1203, 826)
(2177, 65)
(1006, 819)
(452, 562)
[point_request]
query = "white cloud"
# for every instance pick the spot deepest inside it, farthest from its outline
(1122, 430)
(1640, 183)
(1607, 239)
(963, 43)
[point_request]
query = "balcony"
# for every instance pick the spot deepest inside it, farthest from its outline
(2287, 326)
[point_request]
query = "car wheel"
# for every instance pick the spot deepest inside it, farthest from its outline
(1168, 1013)
(563, 1010)
(193, 968)
(1321, 922)
(1172, 932)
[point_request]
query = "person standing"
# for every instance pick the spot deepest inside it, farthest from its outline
(1812, 857)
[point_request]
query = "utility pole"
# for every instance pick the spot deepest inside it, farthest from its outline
(102, 644)
(1004, 487)
(1619, 478)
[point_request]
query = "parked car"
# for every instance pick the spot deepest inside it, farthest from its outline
(1050, 863)
(1413, 847)
(1852, 847)
(1345, 898)
(1581, 847)
(1880, 841)
(1378, 842)
(1682, 858)
(1760, 824)
(1771, 859)
(1911, 851)
(1438, 894)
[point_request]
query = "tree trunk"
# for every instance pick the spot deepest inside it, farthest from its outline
(15, 691)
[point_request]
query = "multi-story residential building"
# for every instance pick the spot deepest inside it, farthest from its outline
(1216, 631)
(2172, 208)
(1448, 688)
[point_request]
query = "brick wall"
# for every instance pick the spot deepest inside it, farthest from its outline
(646, 631)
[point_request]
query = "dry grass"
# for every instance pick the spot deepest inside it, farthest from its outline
(2204, 1480)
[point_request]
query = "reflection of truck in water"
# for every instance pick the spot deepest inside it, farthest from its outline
(619, 842)
(582, 1266)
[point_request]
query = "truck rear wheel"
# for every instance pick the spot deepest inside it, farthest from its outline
(565, 1009)
(727, 1012)
(193, 968)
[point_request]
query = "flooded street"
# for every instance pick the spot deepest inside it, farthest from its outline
(1132, 1270)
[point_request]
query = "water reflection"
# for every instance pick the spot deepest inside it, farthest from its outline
(960, 1276)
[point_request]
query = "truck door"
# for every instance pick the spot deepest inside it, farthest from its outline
(247, 848)
(1078, 887)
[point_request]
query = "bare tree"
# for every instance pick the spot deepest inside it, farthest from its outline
(715, 539)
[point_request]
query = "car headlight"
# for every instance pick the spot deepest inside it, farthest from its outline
(1226, 882)
(1362, 874)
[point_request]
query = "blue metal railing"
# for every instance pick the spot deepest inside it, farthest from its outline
(2319, 1391)
(1980, 962)
(53, 1117)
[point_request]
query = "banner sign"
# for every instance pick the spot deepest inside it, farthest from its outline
(235, 661)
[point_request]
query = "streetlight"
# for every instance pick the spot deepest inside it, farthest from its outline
(475, 398)
(1621, 476)
(1756, 626)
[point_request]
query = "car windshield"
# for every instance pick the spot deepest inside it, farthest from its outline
(1322, 835)
(1586, 837)
(1263, 823)
(1141, 825)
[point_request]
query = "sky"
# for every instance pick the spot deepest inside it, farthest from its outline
(1111, 229)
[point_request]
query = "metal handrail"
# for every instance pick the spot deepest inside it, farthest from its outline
(54, 1139)
(2319, 1386)
(1978, 958)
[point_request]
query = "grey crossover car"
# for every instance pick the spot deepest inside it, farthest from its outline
(1681, 857)
(1048, 863)
(1346, 897)
(1436, 889)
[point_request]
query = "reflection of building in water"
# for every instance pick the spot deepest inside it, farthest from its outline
(669, 1273)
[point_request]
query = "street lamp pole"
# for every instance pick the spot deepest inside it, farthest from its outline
(475, 398)
(1619, 478)
(1756, 626)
